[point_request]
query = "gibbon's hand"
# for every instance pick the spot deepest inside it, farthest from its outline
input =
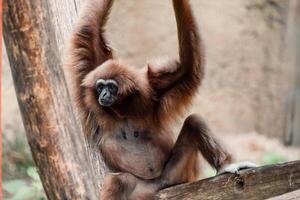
(235, 168)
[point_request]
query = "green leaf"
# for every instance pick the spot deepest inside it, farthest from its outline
(273, 158)
(209, 172)
(32, 172)
(38, 185)
(13, 186)
(25, 193)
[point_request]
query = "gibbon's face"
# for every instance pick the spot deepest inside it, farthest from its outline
(107, 91)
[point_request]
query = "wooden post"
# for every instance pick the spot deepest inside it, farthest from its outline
(33, 39)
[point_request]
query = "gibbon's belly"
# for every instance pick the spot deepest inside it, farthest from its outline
(140, 152)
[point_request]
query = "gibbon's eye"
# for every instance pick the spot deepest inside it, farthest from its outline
(112, 88)
(100, 85)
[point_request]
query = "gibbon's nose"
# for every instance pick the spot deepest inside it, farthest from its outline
(105, 98)
(105, 93)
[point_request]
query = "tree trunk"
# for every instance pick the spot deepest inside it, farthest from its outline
(34, 32)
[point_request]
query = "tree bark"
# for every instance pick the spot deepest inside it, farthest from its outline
(34, 32)
(259, 183)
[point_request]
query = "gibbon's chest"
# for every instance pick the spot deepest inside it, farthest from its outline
(138, 150)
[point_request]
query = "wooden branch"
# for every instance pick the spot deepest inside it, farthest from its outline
(288, 196)
(259, 183)
(58, 146)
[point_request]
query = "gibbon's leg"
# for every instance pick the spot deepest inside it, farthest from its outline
(183, 164)
(116, 186)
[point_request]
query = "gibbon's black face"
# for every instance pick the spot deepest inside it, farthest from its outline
(107, 91)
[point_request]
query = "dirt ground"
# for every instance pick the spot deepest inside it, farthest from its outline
(245, 90)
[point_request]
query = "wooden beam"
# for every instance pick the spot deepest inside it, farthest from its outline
(259, 183)
(58, 146)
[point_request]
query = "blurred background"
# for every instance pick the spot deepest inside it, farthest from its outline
(250, 95)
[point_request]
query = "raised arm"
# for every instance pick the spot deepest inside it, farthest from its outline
(190, 52)
(88, 49)
(177, 82)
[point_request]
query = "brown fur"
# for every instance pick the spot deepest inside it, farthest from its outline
(135, 132)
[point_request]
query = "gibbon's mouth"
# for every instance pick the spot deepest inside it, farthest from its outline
(106, 102)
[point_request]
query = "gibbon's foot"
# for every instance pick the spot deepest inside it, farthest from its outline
(125, 186)
(112, 187)
(235, 168)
